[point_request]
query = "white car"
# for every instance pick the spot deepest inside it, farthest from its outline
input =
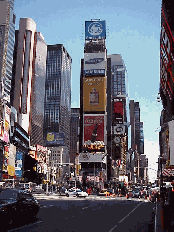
(76, 193)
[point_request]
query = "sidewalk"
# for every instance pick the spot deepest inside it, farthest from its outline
(168, 221)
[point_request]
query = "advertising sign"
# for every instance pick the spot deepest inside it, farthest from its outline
(166, 57)
(55, 138)
(94, 94)
(119, 129)
(6, 156)
(6, 124)
(118, 111)
(93, 128)
(18, 164)
(171, 141)
(88, 157)
(95, 30)
(11, 160)
(94, 64)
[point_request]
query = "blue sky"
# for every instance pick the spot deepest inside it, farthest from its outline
(133, 30)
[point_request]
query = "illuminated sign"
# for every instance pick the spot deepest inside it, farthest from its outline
(88, 157)
(118, 111)
(95, 30)
(166, 57)
(94, 128)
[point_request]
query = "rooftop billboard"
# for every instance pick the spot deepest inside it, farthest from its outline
(95, 30)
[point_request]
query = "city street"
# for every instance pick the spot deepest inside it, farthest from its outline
(94, 213)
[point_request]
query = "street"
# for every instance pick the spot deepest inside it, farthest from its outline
(93, 213)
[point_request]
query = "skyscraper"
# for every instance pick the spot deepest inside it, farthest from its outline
(57, 105)
(117, 112)
(7, 33)
(21, 99)
(74, 133)
(38, 91)
(27, 95)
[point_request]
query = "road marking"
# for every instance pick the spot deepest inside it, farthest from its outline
(84, 207)
(126, 216)
(24, 226)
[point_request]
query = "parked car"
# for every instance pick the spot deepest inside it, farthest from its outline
(103, 192)
(76, 193)
(17, 205)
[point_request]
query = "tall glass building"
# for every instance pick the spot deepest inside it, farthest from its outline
(38, 90)
(7, 34)
(57, 106)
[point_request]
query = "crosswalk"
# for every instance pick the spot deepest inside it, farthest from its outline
(92, 197)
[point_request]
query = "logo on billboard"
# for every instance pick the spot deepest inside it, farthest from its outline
(54, 138)
(95, 28)
(94, 61)
(119, 129)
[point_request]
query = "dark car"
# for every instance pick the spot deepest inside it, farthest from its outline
(17, 205)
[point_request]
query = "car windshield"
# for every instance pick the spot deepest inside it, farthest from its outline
(8, 194)
(78, 190)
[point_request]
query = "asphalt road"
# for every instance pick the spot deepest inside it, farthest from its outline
(98, 214)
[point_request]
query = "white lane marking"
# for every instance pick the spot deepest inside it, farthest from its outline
(84, 207)
(24, 226)
(126, 216)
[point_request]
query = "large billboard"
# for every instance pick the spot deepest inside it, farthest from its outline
(94, 94)
(55, 138)
(171, 141)
(166, 57)
(95, 30)
(94, 64)
(94, 128)
(118, 111)
(88, 157)
(11, 160)
(18, 164)
(6, 124)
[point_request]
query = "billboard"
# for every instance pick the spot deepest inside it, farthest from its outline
(5, 161)
(94, 64)
(88, 157)
(95, 30)
(119, 129)
(171, 141)
(55, 138)
(118, 111)
(18, 164)
(94, 94)
(11, 160)
(93, 128)
(6, 124)
(166, 57)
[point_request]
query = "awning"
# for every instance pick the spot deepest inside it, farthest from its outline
(168, 172)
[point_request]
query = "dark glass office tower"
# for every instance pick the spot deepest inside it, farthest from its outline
(7, 34)
(57, 106)
(38, 91)
(74, 135)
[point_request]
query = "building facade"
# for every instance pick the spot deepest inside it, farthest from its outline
(7, 36)
(24, 71)
(74, 133)
(117, 115)
(57, 104)
(38, 91)
(166, 89)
